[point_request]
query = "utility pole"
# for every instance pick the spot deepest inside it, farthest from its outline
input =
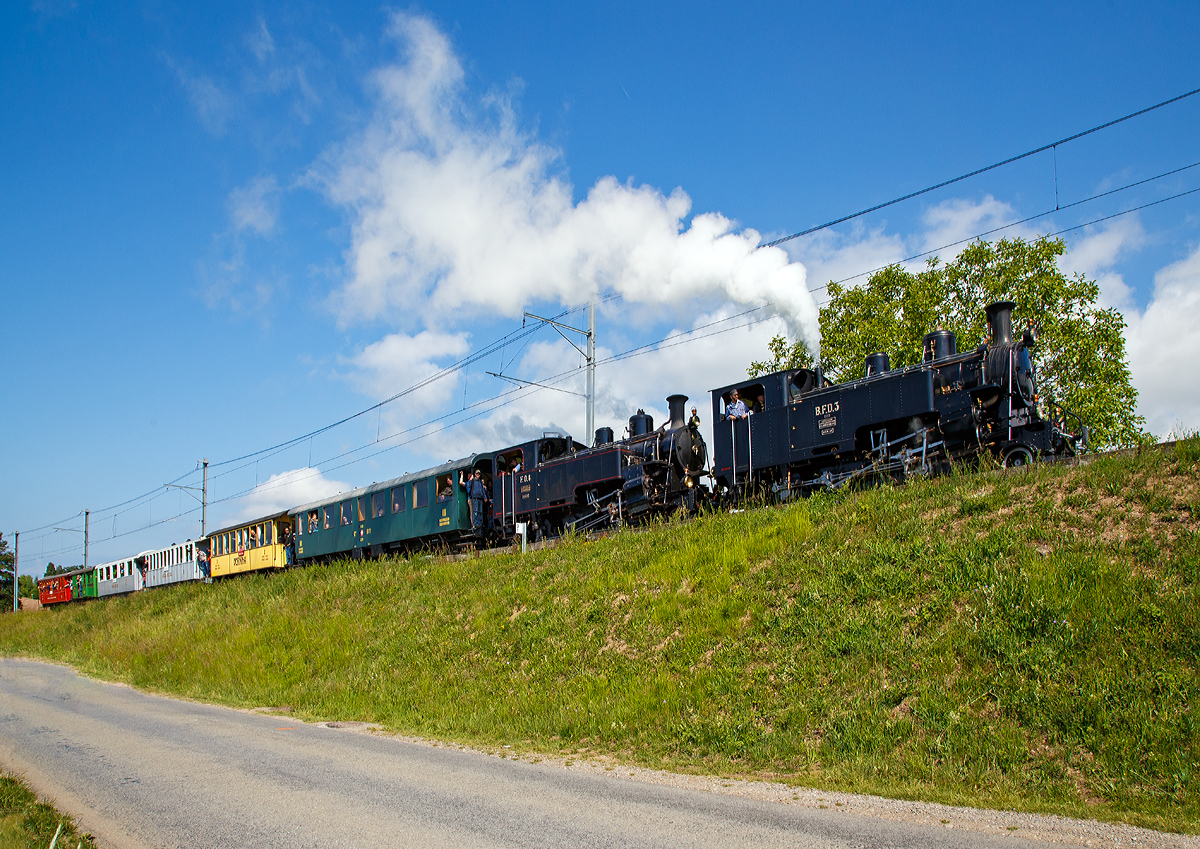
(203, 499)
(204, 503)
(590, 430)
(590, 354)
(16, 568)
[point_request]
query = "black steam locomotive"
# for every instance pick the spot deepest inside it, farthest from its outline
(807, 434)
(554, 484)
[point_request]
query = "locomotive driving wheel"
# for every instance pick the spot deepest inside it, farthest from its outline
(1017, 456)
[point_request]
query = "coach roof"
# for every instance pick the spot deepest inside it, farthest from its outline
(454, 465)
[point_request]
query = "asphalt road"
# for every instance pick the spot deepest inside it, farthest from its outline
(145, 771)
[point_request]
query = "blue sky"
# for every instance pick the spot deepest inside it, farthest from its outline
(226, 226)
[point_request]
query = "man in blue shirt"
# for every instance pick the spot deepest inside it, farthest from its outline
(736, 409)
(477, 494)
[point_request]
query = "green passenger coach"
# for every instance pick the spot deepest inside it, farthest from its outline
(409, 511)
(84, 585)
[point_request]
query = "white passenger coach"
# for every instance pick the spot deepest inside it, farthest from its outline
(172, 565)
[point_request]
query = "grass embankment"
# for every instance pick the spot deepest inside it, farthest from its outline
(26, 823)
(1023, 641)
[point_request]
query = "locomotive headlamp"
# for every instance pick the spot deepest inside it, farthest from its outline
(690, 481)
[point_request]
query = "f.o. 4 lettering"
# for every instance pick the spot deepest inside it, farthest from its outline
(827, 409)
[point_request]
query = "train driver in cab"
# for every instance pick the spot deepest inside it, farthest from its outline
(736, 409)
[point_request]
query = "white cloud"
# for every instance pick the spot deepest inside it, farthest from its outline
(260, 42)
(952, 221)
(286, 490)
(830, 255)
(1098, 252)
(212, 104)
(460, 214)
(398, 361)
(1164, 344)
(255, 206)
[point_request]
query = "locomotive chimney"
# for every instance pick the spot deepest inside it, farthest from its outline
(1000, 320)
(676, 402)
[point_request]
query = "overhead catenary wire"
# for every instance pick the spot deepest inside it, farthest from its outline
(515, 336)
(1029, 218)
(1051, 146)
(255, 457)
(486, 351)
(671, 340)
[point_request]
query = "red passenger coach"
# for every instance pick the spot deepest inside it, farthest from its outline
(55, 589)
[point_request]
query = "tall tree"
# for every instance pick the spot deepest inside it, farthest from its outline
(1080, 355)
(8, 562)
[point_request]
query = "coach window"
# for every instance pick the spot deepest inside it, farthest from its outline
(399, 502)
(445, 488)
(329, 520)
(346, 507)
(362, 508)
(421, 493)
(378, 504)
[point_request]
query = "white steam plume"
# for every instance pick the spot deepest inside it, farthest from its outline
(457, 215)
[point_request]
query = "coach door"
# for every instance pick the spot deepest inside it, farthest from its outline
(361, 508)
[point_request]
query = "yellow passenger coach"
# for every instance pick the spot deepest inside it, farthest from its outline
(261, 544)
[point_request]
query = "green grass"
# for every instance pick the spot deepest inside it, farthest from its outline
(26, 823)
(1025, 641)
